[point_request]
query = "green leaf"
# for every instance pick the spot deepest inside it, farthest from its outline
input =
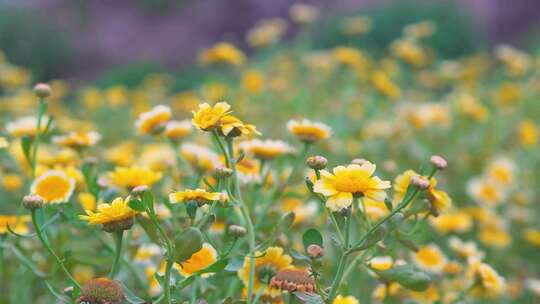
(185, 283)
(300, 257)
(312, 236)
(187, 243)
(24, 260)
(148, 199)
(287, 220)
(373, 238)
(191, 209)
(136, 204)
(309, 298)
(388, 204)
(234, 264)
(26, 144)
(407, 276)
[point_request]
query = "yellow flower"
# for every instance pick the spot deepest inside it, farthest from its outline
(420, 29)
(516, 62)
(532, 236)
(26, 126)
(266, 32)
(501, 171)
(77, 140)
(208, 117)
(87, 200)
(527, 133)
(349, 56)
(401, 183)
(19, 224)
(381, 262)
(346, 182)
(345, 300)
(146, 252)
(176, 130)
(233, 127)
(487, 282)
(253, 81)
(12, 181)
(117, 211)
(309, 131)
(201, 158)
(3, 142)
(409, 51)
(222, 52)
(198, 261)
(375, 210)
(302, 211)
(266, 149)
(199, 195)
(131, 177)
(453, 221)
(465, 250)
(384, 85)
(267, 264)
(54, 186)
(485, 191)
(495, 234)
(430, 295)
(303, 13)
(509, 93)
(440, 201)
(356, 25)
(151, 121)
(430, 258)
(121, 154)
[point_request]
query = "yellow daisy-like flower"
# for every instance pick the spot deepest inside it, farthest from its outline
(25, 126)
(401, 183)
(53, 186)
(151, 121)
(453, 221)
(176, 130)
(487, 282)
(77, 140)
(266, 149)
(430, 258)
(267, 264)
(222, 52)
(381, 263)
(440, 200)
(117, 211)
(345, 300)
(375, 210)
(485, 191)
(528, 133)
(131, 177)
(199, 195)
(198, 261)
(465, 250)
(501, 171)
(346, 182)
(208, 117)
(532, 236)
(233, 127)
(309, 131)
(19, 224)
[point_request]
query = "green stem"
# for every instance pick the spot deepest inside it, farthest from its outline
(119, 235)
(247, 222)
(41, 112)
(339, 275)
(47, 246)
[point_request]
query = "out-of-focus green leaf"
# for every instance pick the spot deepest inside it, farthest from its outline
(407, 276)
(187, 243)
(312, 236)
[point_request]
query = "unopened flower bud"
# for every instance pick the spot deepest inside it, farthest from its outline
(139, 190)
(317, 162)
(314, 251)
(32, 202)
(222, 172)
(102, 290)
(237, 231)
(420, 182)
(438, 162)
(359, 161)
(42, 90)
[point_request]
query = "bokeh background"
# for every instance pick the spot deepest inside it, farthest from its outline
(103, 41)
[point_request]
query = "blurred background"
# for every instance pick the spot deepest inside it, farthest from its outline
(80, 40)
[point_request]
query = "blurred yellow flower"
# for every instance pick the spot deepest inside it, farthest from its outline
(131, 177)
(12, 181)
(87, 200)
(19, 224)
(198, 261)
(346, 182)
(200, 157)
(356, 25)
(384, 85)
(266, 32)
(532, 236)
(222, 52)
(77, 140)
(303, 13)
(487, 282)
(233, 127)
(345, 300)
(309, 131)
(175, 130)
(430, 257)
(528, 133)
(153, 120)
(199, 195)
(53, 186)
(267, 149)
(381, 262)
(253, 81)
(26, 126)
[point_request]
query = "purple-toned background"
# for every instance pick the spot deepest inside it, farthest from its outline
(109, 32)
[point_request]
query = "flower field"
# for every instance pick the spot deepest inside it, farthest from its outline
(283, 174)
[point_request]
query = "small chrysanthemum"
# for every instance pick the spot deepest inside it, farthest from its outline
(345, 182)
(487, 282)
(233, 127)
(153, 120)
(131, 177)
(117, 215)
(25, 126)
(267, 265)
(200, 157)
(345, 300)
(222, 52)
(53, 186)
(309, 131)
(430, 258)
(208, 117)
(198, 261)
(465, 250)
(485, 191)
(77, 140)
(381, 263)
(19, 224)
(501, 171)
(176, 130)
(201, 196)
(266, 149)
(101, 291)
